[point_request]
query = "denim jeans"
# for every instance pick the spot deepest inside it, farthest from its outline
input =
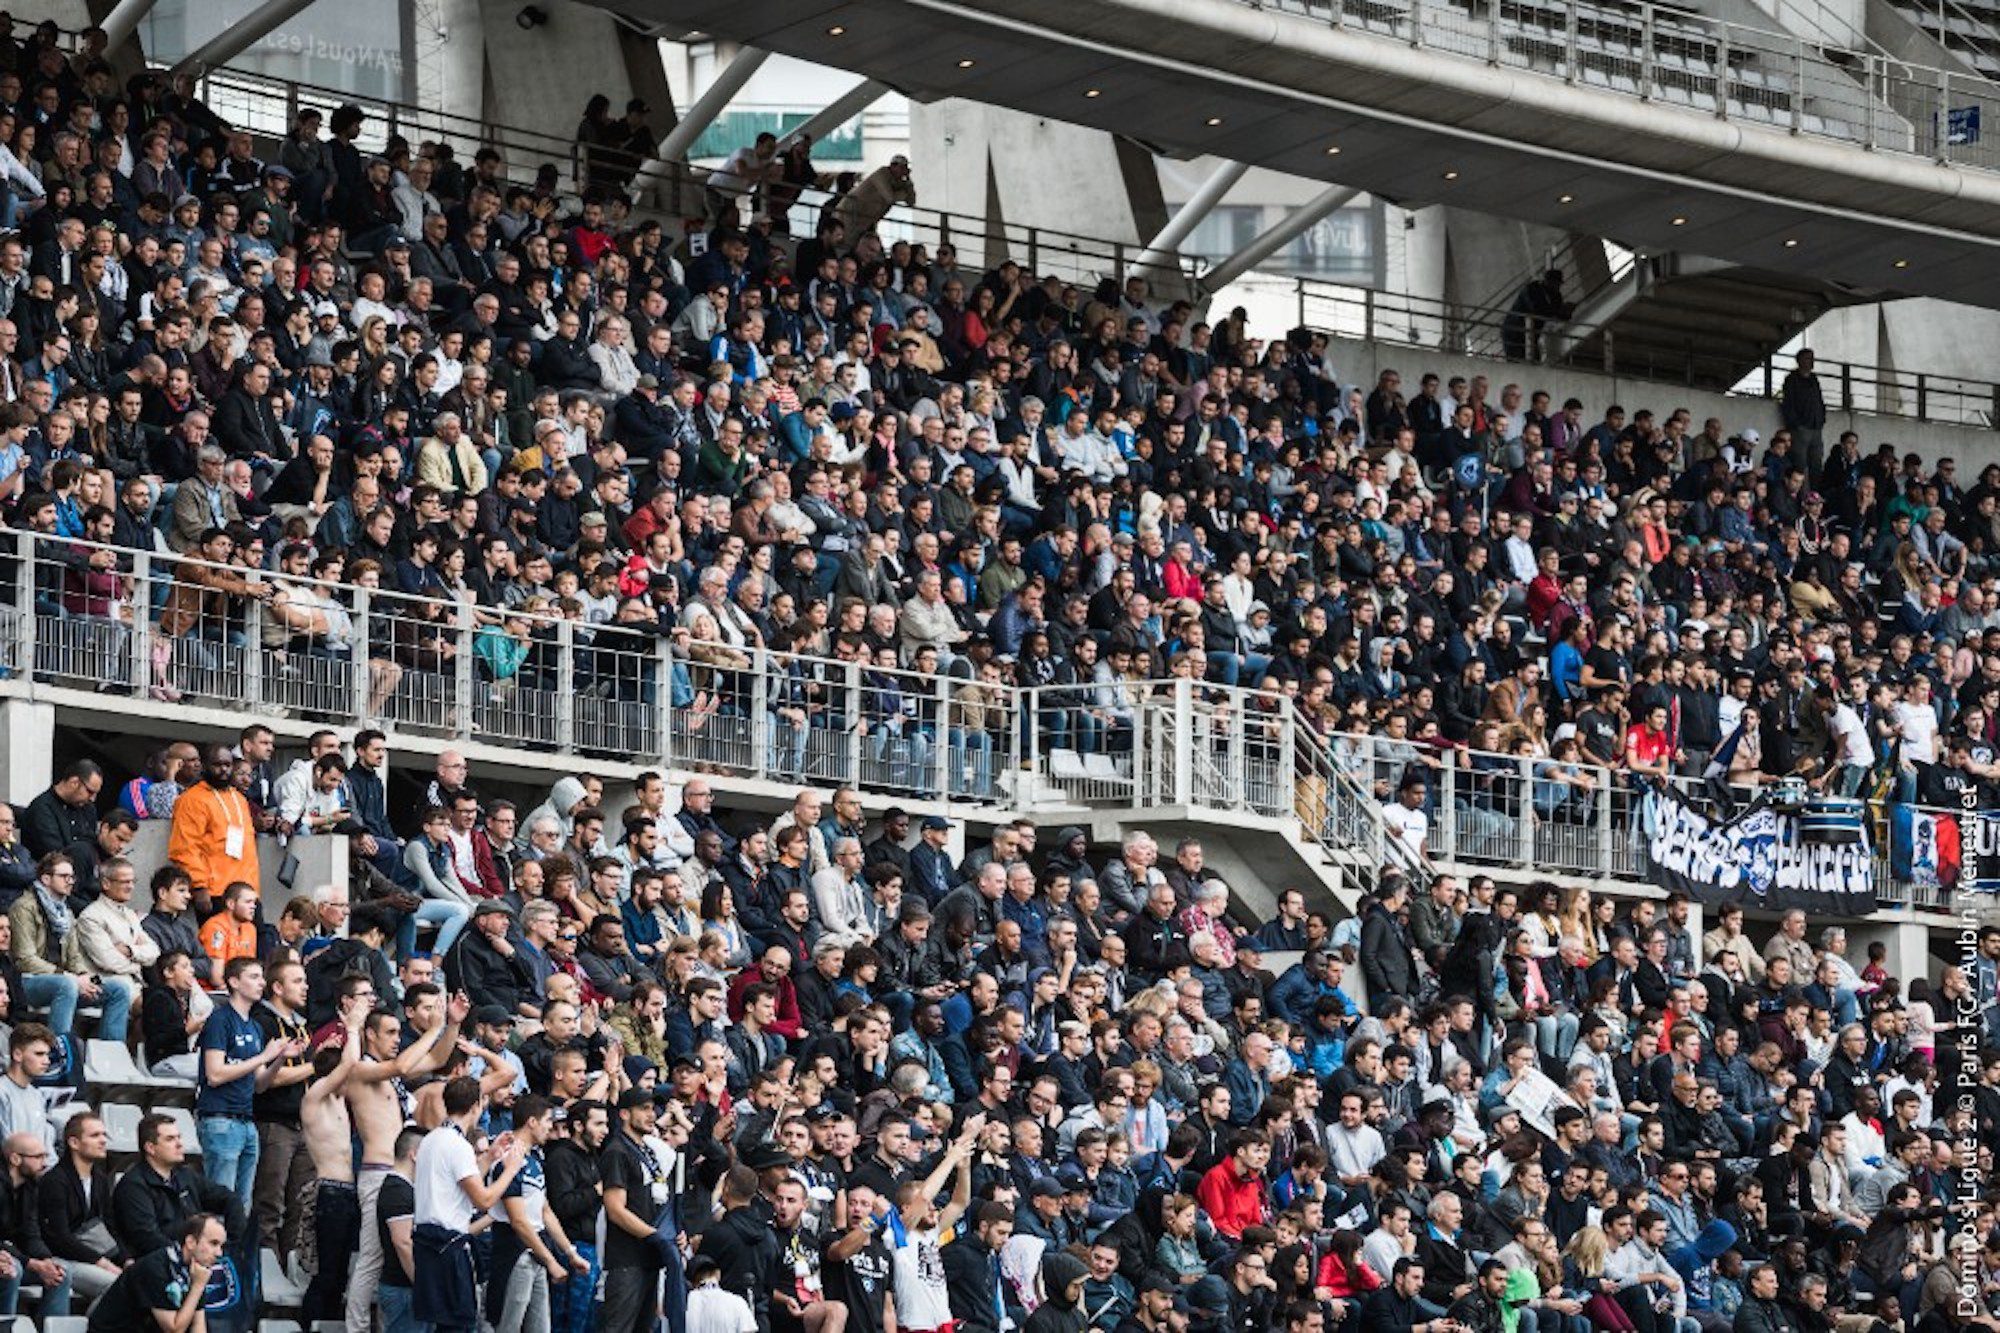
(57, 994)
(788, 748)
(396, 1316)
(10, 1289)
(117, 1005)
(977, 748)
(229, 1152)
(449, 918)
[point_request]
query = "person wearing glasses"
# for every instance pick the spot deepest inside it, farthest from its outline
(43, 921)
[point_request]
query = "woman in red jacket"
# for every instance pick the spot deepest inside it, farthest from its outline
(1343, 1276)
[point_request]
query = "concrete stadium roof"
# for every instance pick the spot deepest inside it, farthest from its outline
(1415, 126)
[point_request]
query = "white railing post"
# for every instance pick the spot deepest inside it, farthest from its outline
(1183, 743)
(360, 674)
(943, 769)
(566, 686)
(465, 723)
(25, 594)
(663, 656)
(1524, 803)
(763, 726)
(253, 655)
(857, 722)
(1285, 779)
(1604, 833)
(1448, 807)
(142, 622)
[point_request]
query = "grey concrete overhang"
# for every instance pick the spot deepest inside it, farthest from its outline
(1278, 90)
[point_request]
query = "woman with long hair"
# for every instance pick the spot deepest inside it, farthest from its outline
(718, 913)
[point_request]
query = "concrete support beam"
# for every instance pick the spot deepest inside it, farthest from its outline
(1275, 238)
(837, 113)
(1167, 241)
(27, 747)
(729, 81)
(124, 20)
(232, 42)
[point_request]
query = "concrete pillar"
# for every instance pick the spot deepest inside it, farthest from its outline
(1079, 182)
(837, 112)
(234, 41)
(1908, 941)
(1276, 237)
(714, 99)
(27, 740)
(124, 20)
(1167, 241)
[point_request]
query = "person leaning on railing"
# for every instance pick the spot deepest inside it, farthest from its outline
(198, 610)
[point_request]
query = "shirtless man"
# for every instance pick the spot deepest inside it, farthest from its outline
(380, 1103)
(329, 1135)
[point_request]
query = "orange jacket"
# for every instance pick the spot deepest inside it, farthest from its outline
(205, 819)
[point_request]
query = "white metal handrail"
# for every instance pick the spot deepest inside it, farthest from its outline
(447, 667)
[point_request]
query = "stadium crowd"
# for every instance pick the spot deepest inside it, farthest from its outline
(548, 1070)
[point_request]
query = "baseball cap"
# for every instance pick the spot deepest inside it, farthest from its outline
(325, 308)
(935, 822)
(491, 1015)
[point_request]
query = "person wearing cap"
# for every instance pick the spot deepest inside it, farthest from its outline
(370, 213)
(489, 967)
(637, 1193)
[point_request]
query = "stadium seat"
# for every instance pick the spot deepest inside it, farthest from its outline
(121, 1123)
(280, 1289)
(62, 1112)
(65, 1323)
(183, 1117)
(109, 1064)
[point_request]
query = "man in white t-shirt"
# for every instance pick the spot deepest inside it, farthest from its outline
(1405, 816)
(1353, 1145)
(1917, 723)
(1857, 752)
(450, 1191)
(915, 1229)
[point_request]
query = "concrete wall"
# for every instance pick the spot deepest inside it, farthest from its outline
(1016, 168)
(1940, 338)
(543, 76)
(1360, 362)
(322, 860)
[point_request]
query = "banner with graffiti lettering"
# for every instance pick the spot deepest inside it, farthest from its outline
(1936, 849)
(1757, 857)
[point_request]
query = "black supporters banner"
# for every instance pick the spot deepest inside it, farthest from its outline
(1758, 858)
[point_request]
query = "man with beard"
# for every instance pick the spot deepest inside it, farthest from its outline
(574, 1189)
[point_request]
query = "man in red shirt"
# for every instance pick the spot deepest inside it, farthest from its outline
(1649, 750)
(1234, 1190)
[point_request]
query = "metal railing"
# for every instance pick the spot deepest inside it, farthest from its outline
(145, 624)
(1573, 818)
(1663, 53)
(266, 107)
(1457, 330)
